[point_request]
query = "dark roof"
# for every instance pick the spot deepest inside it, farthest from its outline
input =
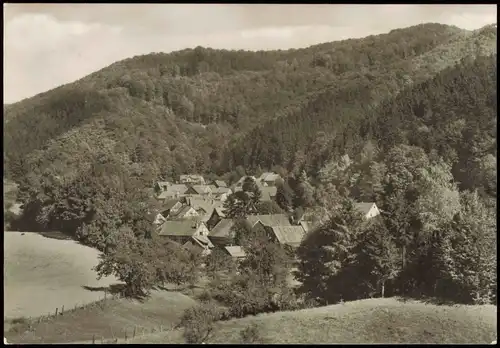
(288, 234)
(222, 229)
(269, 220)
(177, 228)
(364, 207)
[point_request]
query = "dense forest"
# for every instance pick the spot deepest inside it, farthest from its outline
(414, 110)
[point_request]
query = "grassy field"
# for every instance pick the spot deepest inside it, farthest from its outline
(42, 274)
(366, 321)
(106, 320)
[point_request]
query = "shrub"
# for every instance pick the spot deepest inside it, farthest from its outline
(199, 322)
(250, 334)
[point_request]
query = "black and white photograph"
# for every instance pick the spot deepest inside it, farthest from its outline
(250, 173)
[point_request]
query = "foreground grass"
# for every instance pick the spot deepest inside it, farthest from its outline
(366, 321)
(112, 319)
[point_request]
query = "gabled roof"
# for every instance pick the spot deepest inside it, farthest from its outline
(163, 183)
(268, 192)
(220, 183)
(169, 204)
(178, 228)
(269, 176)
(203, 241)
(172, 190)
(201, 189)
(364, 207)
(222, 229)
(221, 190)
(235, 251)
(269, 220)
(240, 182)
(291, 235)
(181, 212)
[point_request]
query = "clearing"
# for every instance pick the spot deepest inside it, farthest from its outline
(365, 321)
(42, 274)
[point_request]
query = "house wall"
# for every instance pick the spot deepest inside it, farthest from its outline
(373, 212)
(202, 230)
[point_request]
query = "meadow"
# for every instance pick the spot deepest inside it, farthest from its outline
(366, 321)
(42, 274)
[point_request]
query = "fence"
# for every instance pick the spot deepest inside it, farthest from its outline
(124, 336)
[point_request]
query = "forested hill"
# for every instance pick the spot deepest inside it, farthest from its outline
(229, 91)
(82, 151)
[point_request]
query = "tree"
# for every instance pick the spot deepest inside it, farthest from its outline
(378, 257)
(199, 322)
(268, 207)
(285, 196)
(326, 251)
(469, 253)
(245, 202)
(439, 199)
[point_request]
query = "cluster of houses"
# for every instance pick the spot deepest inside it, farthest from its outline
(192, 214)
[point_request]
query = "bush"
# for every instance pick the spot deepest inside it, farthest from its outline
(251, 334)
(199, 322)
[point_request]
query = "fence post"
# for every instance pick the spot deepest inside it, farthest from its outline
(125, 335)
(134, 331)
(93, 339)
(102, 340)
(105, 294)
(62, 310)
(56, 311)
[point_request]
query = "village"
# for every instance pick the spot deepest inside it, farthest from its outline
(192, 214)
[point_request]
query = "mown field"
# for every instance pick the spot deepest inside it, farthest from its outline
(365, 321)
(42, 274)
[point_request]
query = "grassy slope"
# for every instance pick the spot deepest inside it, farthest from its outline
(41, 274)
(366, 321)
(106, 320)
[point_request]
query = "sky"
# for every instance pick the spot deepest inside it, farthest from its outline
(47, 45)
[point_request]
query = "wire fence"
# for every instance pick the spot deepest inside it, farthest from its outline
(124, 336)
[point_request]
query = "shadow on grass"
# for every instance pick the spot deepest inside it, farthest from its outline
(117, 290)
(428, 300)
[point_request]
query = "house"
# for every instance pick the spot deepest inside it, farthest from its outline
(200, 244)
(192, 179)
(203, 190)
(269, 179)
(159, 219)
(183, 231)
(162, 185)
(203, 206)
(369, 210)
(170, 206)
(186, 212)
(239, 184)
(173, 191)
(221, 234)
(219, 183)
(290, 236)
(221, 193)
(215, 217)
(269, 220)
(235, 251)
(268, 193)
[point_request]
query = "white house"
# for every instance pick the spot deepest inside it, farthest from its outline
(369, 210)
